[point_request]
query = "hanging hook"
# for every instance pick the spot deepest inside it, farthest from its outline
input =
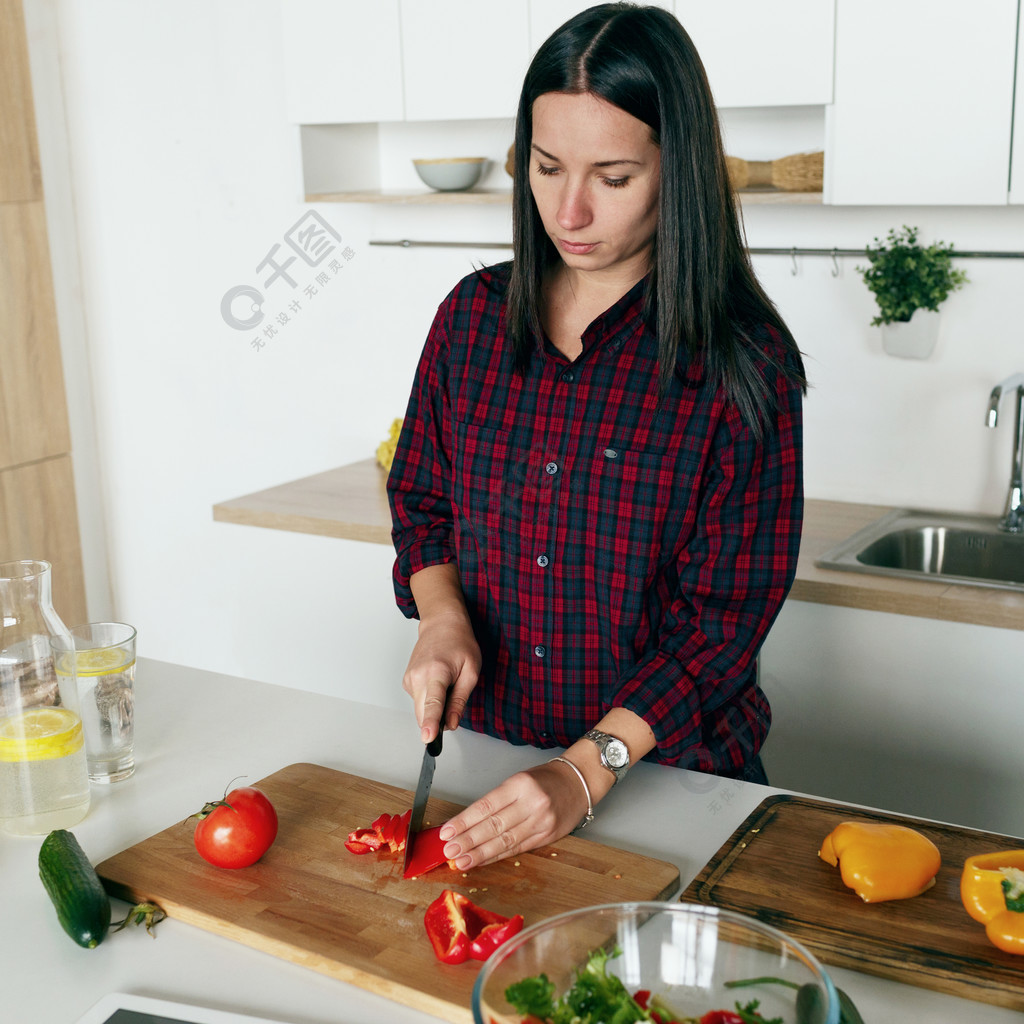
(795, 267)
(835, 263)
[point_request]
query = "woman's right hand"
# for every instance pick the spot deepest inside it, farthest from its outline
(442, 671)
(445, 663)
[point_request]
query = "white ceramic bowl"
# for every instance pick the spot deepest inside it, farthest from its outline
(450, 174)
(684, 954)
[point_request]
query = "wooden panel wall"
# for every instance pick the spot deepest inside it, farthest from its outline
(38, 514)
(20, 178)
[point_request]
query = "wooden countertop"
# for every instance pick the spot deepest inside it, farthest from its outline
(350, 502)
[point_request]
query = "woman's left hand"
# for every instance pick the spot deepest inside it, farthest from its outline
(530, 809)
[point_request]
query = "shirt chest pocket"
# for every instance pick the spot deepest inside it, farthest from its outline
(493, 485)
(630, 506)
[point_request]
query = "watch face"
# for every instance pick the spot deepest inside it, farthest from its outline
(617, 754)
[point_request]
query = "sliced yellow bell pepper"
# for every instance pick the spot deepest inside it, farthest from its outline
(882, 862)
(992, 892)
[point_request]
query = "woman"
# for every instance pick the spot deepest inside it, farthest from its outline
(597, 493)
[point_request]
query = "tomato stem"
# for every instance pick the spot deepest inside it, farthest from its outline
(209, 808)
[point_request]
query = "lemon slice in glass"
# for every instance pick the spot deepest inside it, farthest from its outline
(40, 734)
(101, 662)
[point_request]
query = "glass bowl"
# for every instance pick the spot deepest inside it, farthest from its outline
(683, 954)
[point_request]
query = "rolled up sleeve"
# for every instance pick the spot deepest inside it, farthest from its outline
(419, 488)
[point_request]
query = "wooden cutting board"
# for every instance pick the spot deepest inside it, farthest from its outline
(770, 869)
(310, 901)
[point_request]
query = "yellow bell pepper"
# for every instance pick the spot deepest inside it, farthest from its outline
(992, 892)
(386, 449)
(882, 862)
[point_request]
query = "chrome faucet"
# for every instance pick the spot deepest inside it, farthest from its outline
(1013, 516)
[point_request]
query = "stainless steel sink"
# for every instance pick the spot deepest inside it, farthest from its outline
(948, 548)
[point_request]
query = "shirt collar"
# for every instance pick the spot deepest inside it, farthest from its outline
(617, 324)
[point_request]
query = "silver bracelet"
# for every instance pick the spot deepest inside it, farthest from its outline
(586, 789)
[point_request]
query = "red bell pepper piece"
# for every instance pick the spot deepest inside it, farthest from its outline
(363, 840)
(446, 928)
(402, 830)
(492, 936)
(458, 929)
(427, 852)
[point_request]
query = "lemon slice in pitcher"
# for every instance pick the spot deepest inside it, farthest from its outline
(40, 734)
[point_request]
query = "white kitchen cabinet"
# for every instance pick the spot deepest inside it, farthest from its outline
(464, 58)
(1017, 157)
(763, 53)
(923, 103)
(756, 52)
(343, 61)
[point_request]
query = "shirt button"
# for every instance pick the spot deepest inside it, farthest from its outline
(610, 453)
(542, 560)
(551, 468)
(568, 376)
(540, 650)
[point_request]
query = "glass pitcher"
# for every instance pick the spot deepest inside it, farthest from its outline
(44, 783)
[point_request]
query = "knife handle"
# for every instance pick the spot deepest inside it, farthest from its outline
(434, 746)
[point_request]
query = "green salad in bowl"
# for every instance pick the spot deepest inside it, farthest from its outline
(668, 963)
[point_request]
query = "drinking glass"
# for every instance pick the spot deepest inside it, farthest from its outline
(104, 662)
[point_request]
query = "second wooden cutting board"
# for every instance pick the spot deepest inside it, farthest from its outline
(770, 869)
(310, 901)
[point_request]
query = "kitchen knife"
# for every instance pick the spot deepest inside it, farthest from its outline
(419, 803)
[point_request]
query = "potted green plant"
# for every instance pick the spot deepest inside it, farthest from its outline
(909, 281)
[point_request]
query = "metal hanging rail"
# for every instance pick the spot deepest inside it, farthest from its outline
(956, 254)
(406, 243)
(795, 250)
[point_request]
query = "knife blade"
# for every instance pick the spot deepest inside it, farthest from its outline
(419, 803)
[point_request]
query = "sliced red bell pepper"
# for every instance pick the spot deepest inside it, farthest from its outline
(392, 829)
(388, 830)
(458, 929)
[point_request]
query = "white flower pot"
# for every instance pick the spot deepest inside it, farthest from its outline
(914, 338)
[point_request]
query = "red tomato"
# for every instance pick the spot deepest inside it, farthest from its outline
(236, 831)
(721, 1017)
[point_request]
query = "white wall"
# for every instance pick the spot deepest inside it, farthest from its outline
(184, 173)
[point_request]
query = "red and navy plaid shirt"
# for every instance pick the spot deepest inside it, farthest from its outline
(615, 548)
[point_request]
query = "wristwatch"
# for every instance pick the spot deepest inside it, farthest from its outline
(614, 753)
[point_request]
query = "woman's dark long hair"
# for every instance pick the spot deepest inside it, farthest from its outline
(702, 293)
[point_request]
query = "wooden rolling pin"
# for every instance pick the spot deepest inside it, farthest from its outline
(801, 172)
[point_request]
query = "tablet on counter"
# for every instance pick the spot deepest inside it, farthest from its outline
(119, 1008)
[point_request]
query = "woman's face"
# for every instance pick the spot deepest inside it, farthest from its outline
(594, 173)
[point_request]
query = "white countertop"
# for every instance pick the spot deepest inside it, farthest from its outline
(196, 731)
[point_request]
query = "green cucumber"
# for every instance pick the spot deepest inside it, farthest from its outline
(82, 904)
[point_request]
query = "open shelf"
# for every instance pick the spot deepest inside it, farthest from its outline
(504, 196)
